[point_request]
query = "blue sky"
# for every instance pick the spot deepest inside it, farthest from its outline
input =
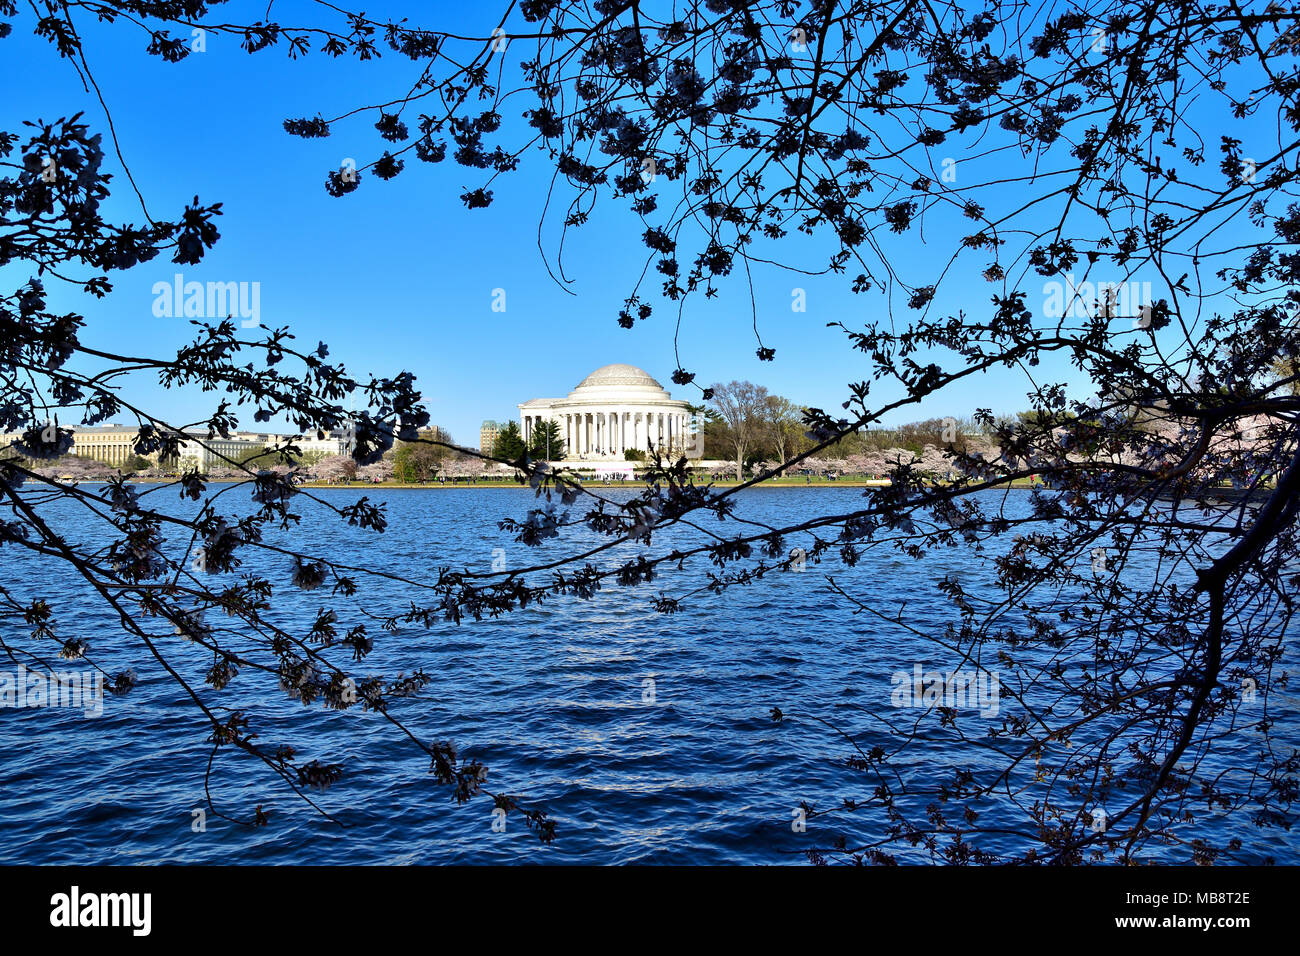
(400, 275)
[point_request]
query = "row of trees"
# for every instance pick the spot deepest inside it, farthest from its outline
(409, 468)
(546, 443)
(431, 453)
(82, 468)
(747, 424)
(761, 430)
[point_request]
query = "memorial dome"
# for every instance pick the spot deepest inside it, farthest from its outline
(623, 379)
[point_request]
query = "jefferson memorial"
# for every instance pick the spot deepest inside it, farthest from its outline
(615, 408)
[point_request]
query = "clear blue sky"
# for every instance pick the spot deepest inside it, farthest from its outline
(400, 275)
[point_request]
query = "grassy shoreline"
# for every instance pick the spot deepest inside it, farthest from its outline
(771, 483)
(510, 483)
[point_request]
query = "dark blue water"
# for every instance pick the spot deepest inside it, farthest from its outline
(553, 699)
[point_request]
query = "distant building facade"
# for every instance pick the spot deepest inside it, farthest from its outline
(115, 445)
(487, 435)
(337, 442)
(203, 452)
(111, 444)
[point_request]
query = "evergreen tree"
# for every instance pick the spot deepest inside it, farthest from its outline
(547, 444)
(509, 444)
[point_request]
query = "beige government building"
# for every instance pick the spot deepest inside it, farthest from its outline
(115, 445)
(615, 408)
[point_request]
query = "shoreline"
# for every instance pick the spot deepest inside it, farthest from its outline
(1229, 495)
(436, 486)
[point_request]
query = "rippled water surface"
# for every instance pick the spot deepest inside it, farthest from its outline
(554, 699)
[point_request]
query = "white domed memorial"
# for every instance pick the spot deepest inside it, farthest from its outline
(615, 408)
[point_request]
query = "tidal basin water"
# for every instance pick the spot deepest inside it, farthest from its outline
(646, 737)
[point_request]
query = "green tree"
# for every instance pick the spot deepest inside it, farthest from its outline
(783, 427)
(256, 456)
(421, 459)
(740, 407)
(547, 443)
(313, 457)
(412, 463)
(509, 444)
